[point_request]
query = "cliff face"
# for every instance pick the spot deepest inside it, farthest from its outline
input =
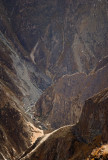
(61, 36)
(61, 104)
(17, 132)
(18, 88)
(95, 110)
(17, 72)
(76, 142)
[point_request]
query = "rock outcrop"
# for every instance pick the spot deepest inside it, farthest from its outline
(61, 104)
(94, 118)
(76, 142)
(99, 153)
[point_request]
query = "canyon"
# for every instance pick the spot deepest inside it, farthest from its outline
(53, 79)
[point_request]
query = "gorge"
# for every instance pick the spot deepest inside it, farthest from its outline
(53, 79)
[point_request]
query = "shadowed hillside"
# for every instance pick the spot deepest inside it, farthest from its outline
(61, 36)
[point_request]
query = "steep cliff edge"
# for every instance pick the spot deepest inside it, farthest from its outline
(62, 103)
(76, 142)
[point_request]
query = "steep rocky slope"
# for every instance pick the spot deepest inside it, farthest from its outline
(61, 104)
(17, 71)
(76, 142)
(17, 132)
(19, 75)
(19, 88)
(61, 36)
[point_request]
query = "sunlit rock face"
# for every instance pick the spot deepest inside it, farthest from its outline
(61, 36)
(77, 142)
(100, 152)
(62, 103)
(17, 133)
